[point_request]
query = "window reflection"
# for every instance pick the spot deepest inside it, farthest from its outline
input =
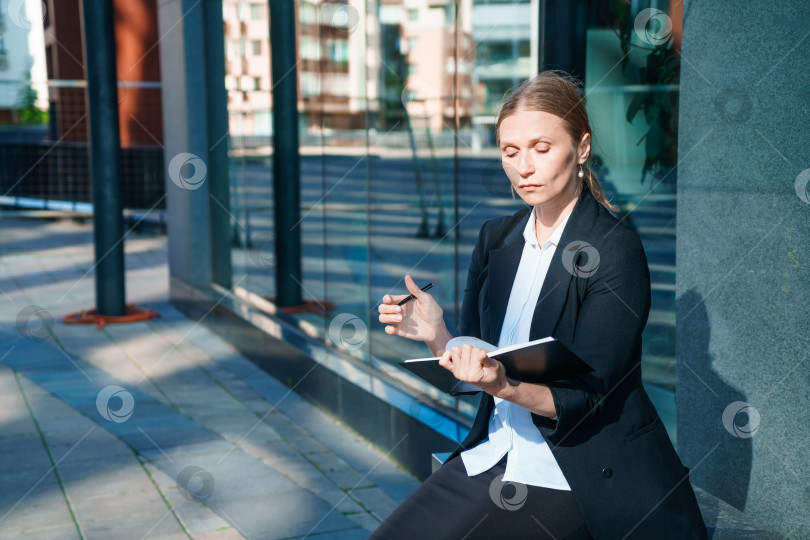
(397, 103)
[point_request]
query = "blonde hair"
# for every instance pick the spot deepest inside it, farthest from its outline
(556, 92)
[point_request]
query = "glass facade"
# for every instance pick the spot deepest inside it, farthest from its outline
(397, 100)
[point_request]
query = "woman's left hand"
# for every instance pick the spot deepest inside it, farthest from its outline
(472, 365)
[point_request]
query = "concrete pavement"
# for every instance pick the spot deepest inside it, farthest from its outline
(157, 429)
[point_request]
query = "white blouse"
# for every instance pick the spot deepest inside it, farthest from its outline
(511, 430)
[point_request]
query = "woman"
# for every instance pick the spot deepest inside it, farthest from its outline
(580, 458)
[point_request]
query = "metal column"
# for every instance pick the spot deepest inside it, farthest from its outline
(286, 161)
(218, 138)
(105, 152)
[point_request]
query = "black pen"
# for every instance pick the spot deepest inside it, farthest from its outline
(410, 296)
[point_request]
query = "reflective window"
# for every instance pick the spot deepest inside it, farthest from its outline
(398, 166)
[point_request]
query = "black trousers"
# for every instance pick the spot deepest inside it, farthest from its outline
(450, 505)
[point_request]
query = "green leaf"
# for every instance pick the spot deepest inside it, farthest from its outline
(652, 110)
(635, 105)
(656, 143)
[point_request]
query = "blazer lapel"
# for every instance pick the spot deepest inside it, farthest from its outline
(553, 295)
(503, 266)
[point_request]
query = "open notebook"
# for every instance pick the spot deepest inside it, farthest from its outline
(538, 361)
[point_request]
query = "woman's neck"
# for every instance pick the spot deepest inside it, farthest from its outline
(548, 216)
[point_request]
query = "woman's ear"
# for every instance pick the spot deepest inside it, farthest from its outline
(584, 149)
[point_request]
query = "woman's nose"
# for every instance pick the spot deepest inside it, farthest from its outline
(525, 165)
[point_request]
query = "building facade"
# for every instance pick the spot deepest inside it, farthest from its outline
(698, 113)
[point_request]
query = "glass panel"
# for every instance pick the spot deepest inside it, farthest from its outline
(411, 165)
(631, 83)
(335, 202)
(496, 53)
(248, 80)
(399, 168)
(435, 175)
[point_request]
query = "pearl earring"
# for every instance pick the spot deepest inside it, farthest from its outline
(581, 172)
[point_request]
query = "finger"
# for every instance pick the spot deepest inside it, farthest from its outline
(384, 308)
(469, 364)
(413, 289)
(446, 361)
(393, 298)
(396, 330)
(465, 355)
(488, 362)
(390, 319)
(482, 358)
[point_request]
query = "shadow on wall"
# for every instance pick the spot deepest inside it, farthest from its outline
(718, 448)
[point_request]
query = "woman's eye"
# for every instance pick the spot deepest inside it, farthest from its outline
(542, 150)
(513, 154)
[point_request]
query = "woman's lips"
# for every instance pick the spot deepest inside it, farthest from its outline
(530, 186)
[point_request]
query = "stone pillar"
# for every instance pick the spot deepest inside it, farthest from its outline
(185, 129)
(743, 258)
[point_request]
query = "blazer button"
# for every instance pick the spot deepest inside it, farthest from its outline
(607, 472)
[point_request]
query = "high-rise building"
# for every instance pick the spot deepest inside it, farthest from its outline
(354, 59)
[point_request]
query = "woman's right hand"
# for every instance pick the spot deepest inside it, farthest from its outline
(420, 319)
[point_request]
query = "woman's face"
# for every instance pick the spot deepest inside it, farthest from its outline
(540, 158)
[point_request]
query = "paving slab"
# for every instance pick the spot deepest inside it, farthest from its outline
(193, 440)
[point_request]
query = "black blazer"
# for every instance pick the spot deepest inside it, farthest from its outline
(608, 439)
